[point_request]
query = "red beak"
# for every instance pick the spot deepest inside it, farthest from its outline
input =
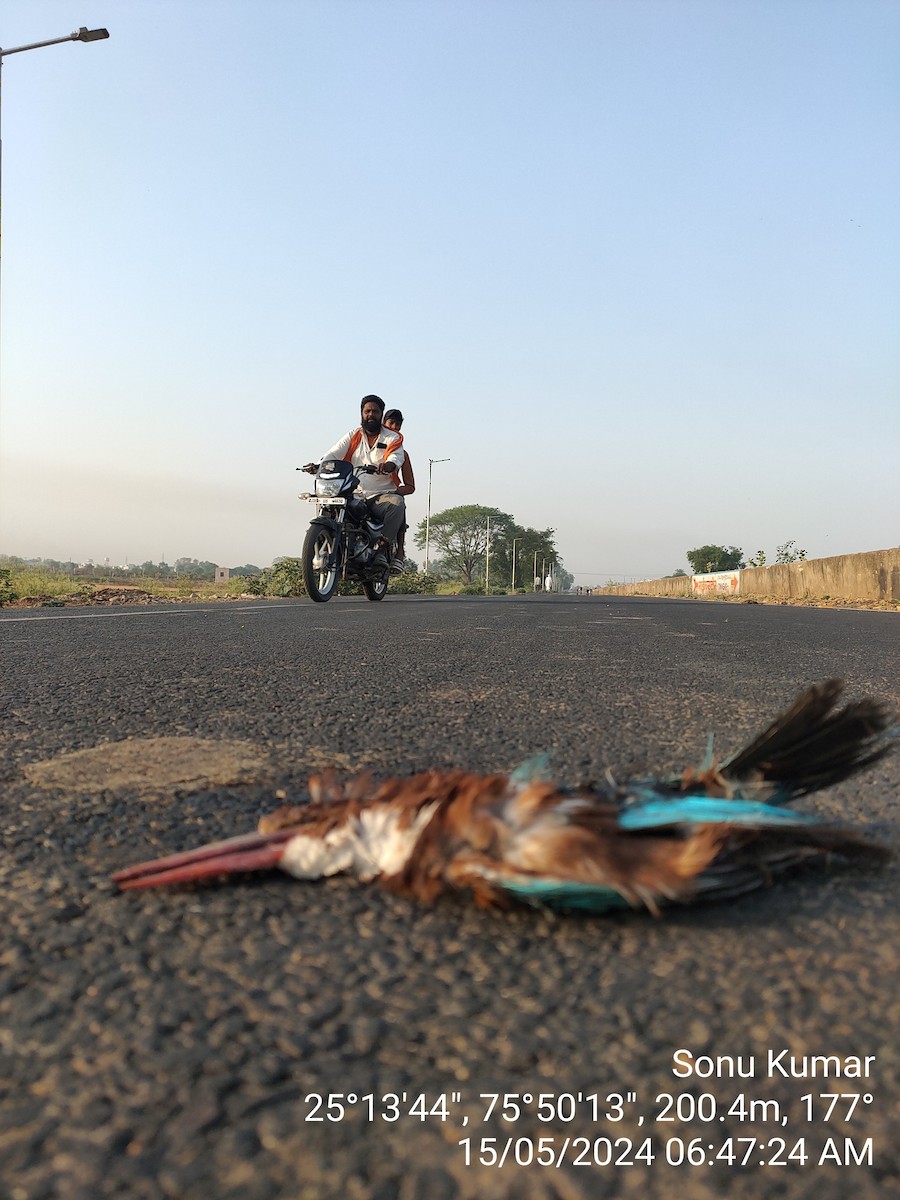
(248, 852)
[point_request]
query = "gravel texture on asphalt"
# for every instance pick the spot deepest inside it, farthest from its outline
(172, 1043)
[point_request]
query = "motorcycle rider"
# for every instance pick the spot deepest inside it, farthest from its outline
(373, 444)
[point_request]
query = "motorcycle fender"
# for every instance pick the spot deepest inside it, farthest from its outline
(326, 523)
(333, 527)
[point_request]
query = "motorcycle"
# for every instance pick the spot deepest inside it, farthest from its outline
(345, 538)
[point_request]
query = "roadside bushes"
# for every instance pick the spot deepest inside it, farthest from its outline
(285, 578)
(413, 583)
(7, 591)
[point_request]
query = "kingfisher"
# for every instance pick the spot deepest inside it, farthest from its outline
(715, 831)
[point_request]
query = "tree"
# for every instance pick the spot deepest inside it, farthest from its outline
(529, 542)
(194, 569)
(788, 553)
(714, 558)
(459, 537)
(441, 570)
(566, 578)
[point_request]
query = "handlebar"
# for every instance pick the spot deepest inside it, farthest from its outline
(364, 469)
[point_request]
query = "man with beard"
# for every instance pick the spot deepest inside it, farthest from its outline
(372, 444)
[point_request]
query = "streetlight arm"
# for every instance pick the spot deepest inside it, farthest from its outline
(80, 35)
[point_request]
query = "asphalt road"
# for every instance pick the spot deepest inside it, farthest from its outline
(173, 1043)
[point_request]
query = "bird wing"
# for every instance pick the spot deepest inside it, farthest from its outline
(580, 849)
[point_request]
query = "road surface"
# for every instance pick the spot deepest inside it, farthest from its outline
(272, 1040)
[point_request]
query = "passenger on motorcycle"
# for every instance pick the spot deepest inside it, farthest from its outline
(372, 444)
(393, 419)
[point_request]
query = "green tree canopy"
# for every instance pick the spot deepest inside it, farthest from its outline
(458, 545)
(458, 536)
(195, 569)
(715, 558)
(566, 578)
(528, 543)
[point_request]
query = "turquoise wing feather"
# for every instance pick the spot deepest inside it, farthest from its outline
(657, 813)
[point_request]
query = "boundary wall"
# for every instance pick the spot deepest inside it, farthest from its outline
(872, 575)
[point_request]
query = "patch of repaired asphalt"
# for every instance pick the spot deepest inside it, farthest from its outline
(160, 764)
(154, 764)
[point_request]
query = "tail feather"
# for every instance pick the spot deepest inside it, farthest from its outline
(756, 864)
(810, 746)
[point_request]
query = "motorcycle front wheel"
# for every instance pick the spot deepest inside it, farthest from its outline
(320, 575)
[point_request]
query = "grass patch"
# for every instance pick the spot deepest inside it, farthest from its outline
(284, 578)
(32, 583)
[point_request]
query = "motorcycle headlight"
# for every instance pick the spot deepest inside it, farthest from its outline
(328, 487)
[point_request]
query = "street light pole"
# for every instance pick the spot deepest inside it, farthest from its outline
(514, 562)
(487, 559)
(431, 463)
(80, 35)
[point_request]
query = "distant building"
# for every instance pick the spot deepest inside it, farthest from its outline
(222, 573)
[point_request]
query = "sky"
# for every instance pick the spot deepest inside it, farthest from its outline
(631, 266)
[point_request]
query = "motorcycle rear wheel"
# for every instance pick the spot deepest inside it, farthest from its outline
(376, 589)
(320, 580)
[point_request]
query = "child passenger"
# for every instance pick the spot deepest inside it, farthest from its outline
(393, 419)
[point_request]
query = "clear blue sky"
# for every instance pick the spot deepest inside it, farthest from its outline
(631, 265)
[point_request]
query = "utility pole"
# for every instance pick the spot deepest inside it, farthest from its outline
(487, 559)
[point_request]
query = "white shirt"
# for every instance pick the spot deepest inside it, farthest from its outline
(354, 448)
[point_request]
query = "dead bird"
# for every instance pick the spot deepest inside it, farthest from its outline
(713, 832)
